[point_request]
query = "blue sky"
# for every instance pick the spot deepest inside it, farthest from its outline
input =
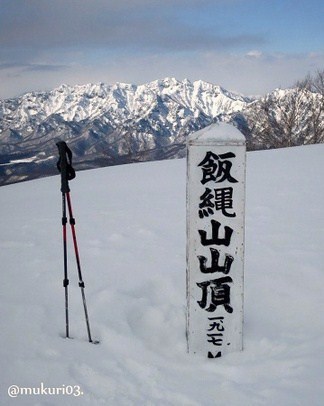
(249, 46)
(283, 26)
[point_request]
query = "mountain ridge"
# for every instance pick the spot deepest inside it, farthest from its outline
(110, 124)
(69, 101)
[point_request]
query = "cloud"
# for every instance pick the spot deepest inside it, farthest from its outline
(133, 25)
(46, 43)
(237, 72)
(25, 67)
(254, 54)
(45, 68)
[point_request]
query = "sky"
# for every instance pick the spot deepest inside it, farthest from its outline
(247, 46)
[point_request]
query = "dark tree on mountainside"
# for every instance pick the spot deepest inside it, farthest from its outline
(314, 132)
(287, 118)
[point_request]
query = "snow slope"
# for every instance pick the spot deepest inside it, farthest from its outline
(131, 234)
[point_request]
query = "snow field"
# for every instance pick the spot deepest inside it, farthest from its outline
(130, 224)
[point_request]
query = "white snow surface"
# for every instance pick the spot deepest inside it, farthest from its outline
(217, 133)
(130, 224)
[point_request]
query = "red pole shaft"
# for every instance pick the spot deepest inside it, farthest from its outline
(72, 224)
(81, 283)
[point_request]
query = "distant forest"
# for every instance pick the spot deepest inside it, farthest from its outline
(295, 117)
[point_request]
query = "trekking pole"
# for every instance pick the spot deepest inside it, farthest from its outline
(64, 165)
(76, 250)
(65, 280)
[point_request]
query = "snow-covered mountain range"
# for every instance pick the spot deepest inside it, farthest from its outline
(121, 102)
(109, 124)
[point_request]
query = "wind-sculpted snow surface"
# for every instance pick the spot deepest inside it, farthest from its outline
(130, 223)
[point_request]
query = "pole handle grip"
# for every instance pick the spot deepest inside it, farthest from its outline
(64, 165)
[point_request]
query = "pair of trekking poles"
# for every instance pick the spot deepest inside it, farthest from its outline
(64, 166)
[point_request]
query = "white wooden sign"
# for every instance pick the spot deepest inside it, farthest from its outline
(216, 159)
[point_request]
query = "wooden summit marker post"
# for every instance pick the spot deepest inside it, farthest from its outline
(216, 159)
